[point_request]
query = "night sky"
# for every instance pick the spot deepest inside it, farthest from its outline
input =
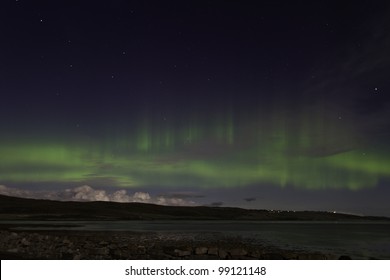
(260, 104)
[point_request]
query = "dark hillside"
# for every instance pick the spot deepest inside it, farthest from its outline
(21, 208)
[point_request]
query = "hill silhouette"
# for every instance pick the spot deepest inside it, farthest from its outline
(12, 208)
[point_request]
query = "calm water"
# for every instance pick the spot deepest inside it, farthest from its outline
(361, 240)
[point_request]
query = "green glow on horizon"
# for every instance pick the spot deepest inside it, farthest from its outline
(220, 153)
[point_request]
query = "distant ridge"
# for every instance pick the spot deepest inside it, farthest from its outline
(12, 208)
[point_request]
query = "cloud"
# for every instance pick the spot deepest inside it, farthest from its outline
(250, 199)
(141, 197)
(174, 201)
(14, 192)
(87, 193)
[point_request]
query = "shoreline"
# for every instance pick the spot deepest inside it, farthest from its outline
(122, 245)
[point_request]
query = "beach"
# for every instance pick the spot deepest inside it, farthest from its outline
(122, 245)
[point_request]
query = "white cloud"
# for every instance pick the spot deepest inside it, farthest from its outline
(120, 196)
(141, 197)
(174, 201)
(87, 193)
(16, 192)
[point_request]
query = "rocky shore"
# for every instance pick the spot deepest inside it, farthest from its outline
(130, 245)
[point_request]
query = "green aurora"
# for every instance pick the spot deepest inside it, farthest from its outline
(223, 150)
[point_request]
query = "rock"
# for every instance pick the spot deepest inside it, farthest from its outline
(67, 256)
(182, 253)
(255, 254)
(344, 257)
(53, 245)
(141, 250)
(169, 250)
(312, 256)
(222, 254)
(14, 250)
(100, 251)
(238, 252)
(201, 250)
(25, 242)
(116, 254)
(213, 251)
(273, 256)
(203, 257)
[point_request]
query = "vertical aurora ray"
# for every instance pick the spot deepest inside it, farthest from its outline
(144, 137)
(223, 129)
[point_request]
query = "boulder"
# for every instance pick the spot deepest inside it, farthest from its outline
(222, 254)
(201, 250)
(182, 253)
(213, 251)
(25, 242)
(14, 250)
(100, 251)
(141, 250)
(238, 252)
(273, 256)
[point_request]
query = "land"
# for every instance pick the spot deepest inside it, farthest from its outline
(106, 245)
(77, 244)
(14, 208)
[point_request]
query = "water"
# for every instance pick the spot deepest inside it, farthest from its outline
(360, 240)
